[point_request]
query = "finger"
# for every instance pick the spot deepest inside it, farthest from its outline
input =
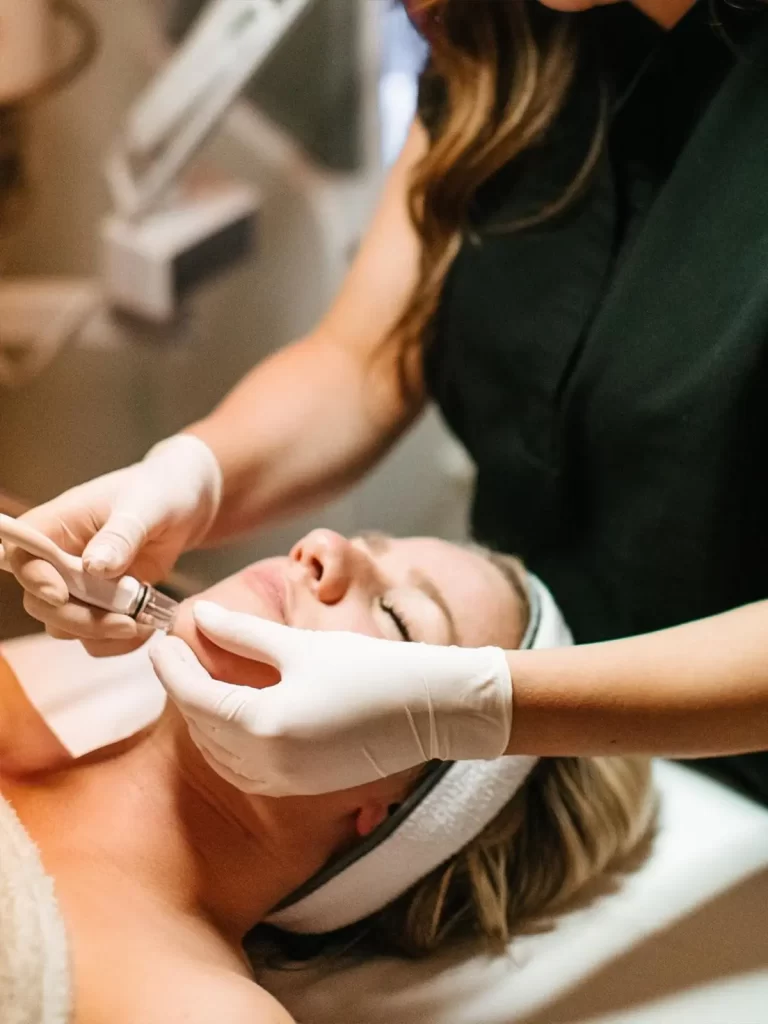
(68, 525)
(116, 545)
(245, 635)
(59, 634)
(208, 732)
(37, 576)
(235, 778)
(84, 623)
(112, 648)
(204, 731)
(196, 693)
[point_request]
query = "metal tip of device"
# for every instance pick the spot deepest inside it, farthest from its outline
(159, 611)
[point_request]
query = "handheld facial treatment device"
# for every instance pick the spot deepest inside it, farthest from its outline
(126, 596)
(167, 235)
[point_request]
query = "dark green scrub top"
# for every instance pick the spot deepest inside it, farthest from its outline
(608, 371)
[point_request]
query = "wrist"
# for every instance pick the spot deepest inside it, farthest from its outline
(237, 471)
(481, 704)
(192, 460)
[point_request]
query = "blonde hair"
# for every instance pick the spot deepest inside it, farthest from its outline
(575, 820)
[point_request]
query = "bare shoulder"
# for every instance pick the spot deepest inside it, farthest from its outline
(135, 962)
(186, 992)
(213, 995)
(251, 1004)
(246, 1002)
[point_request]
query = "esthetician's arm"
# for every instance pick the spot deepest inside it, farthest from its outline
(302, 426)
(351, 708)
(311, 419)
(696, 690)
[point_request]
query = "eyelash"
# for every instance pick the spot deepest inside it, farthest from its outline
(397, 618)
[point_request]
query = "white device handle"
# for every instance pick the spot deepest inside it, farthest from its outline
(123, 595)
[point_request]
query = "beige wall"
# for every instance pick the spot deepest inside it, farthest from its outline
(114, 392)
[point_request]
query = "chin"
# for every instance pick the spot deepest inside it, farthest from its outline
(258, 590)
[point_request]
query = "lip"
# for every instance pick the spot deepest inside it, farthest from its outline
(269, 583)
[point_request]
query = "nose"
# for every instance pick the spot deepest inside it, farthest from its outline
(327, 559)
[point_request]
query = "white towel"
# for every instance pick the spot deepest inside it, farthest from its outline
(34, 962)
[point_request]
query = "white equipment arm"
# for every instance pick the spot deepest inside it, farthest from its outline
(180, 109)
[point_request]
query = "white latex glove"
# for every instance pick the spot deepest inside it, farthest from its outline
(348, 709)
(138, 520)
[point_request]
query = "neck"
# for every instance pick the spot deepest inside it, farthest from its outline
(205, 848)
(666, 12)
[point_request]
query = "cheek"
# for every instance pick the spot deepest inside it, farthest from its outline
(221, 664)
(230, 667)
(348, 616)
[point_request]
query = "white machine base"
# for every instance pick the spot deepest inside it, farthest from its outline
(151, 265)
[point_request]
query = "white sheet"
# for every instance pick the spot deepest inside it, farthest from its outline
(88, 703)
(684, 939)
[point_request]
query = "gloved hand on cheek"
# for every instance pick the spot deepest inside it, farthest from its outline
(221, 664)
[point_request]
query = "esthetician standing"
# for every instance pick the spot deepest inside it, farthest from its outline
(585, 295)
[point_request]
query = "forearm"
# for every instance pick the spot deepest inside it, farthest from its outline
(301, 426)
(310, 420)
(693, 691)
(296, 431)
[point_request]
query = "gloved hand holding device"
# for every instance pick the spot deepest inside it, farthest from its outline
(138, 520)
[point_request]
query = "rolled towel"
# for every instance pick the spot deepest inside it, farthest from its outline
(35, 984)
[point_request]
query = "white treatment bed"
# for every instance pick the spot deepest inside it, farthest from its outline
(684, 939)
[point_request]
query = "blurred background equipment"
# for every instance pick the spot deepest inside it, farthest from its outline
(184, 104)
(165, 238)
(312, 134)
(26, 57)
(44, 46)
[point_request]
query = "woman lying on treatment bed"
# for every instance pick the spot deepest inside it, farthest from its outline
(160, 868)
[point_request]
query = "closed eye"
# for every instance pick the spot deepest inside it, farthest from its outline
(399, 621)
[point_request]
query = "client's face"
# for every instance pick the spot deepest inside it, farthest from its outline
(418, 589)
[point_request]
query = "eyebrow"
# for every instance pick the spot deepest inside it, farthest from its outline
(378, 544)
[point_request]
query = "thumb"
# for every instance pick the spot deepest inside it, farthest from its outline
(197, 694)
(245, 635)
(116, 545)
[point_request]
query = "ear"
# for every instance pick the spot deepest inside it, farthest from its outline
(369, 817)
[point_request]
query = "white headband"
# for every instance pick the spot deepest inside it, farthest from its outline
(451, 805)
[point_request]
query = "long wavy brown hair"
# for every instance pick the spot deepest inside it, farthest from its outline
(503, 71)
